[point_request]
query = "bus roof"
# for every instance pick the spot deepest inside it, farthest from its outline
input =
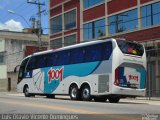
(71, 46)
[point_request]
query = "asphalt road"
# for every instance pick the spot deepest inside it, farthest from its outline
(124, 110)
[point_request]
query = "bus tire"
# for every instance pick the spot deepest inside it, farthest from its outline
(85, 93)
(100, 98)
(26, 91)
(74, 92)
(114, 99)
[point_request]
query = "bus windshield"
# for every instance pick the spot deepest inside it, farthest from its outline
(130, 48)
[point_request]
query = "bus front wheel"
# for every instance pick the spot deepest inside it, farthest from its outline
(26, 91)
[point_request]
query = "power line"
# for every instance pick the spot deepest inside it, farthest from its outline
(107, 24)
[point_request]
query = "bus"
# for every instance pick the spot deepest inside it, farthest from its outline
(102, 70)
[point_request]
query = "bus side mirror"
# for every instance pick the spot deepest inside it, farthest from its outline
(15, 69)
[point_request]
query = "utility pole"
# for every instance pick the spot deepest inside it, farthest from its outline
(39, 20)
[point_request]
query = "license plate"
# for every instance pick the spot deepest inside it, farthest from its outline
(134, 85)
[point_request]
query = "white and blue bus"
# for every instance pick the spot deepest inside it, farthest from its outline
(100, 70)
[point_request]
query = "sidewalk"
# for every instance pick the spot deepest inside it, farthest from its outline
(140, 100)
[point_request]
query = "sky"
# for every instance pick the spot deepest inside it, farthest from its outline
(24, 13)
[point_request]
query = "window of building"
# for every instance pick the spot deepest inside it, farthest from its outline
(70, 19)
(123, 22)
(150, 14)
(2, 58)
(89, 3)
(57, 43)
(88, 31)
(56, 24)
(70, 40)
(94, 29)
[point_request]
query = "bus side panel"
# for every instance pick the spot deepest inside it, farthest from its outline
(57, 80)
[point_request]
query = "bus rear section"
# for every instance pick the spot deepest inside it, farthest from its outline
(129, 70)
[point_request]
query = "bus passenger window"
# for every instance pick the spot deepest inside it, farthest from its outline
(77, 55)
(93, 53)
(107, 50)
(63, 58)
(51, 59)
(41, 61)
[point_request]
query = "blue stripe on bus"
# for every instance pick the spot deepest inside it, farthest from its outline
(79, 70)
(143, 78)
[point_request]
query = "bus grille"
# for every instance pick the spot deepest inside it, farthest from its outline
(103, 83)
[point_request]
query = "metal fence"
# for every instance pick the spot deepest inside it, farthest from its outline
(153, 70)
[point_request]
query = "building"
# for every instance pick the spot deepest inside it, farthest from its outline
(75, 21)
(14, 46)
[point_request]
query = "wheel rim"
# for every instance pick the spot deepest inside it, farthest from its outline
(74, 93)
(86, 93)
(27, 91)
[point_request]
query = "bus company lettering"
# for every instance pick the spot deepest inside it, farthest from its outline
(55, 74)
(133, 77)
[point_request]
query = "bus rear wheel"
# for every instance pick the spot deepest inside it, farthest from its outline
(114, 99)
(26, 91)
(74, 92)
(85, 93)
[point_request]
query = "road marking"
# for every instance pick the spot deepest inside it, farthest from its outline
(44, 106)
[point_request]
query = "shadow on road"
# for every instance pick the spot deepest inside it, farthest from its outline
(120, 102)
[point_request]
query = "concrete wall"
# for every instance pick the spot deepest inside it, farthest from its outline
(14, 53)
(3, 72)
(3, 85)
(2, 45)
(14, 77)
